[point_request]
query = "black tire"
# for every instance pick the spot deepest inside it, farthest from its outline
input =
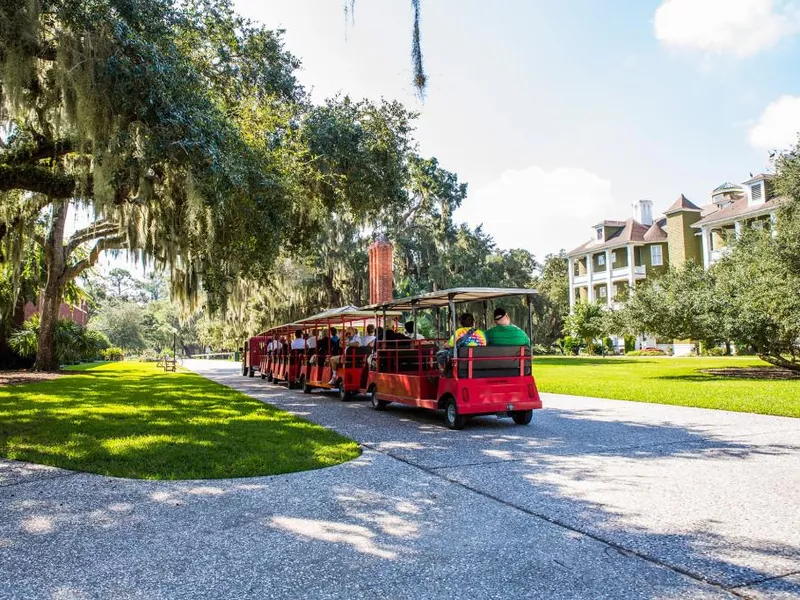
(522, 417)
(451, 416)
(244, 370)
(343, 395)
(252, 372)
(269, 377)
(263, 376)
(306, 388)
(377, 404)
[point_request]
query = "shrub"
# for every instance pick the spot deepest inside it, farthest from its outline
(630, 343)
(571, 345)
(647, 352)
(609, 345)
(715, 351)
(112, 353)
(596, 349)
(74, 343)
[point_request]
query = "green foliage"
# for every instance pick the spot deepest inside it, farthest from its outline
(681, 304)
(571, 345)
(73, 342)
(101, 420)
(587, 322)
(552, 308)
(113, 353)
(630, 343)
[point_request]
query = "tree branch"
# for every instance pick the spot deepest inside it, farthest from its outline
(92, 232)
(31, 153)
(38, 180)
(112, 243)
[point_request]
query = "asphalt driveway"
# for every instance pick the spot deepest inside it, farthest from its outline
(594, 499)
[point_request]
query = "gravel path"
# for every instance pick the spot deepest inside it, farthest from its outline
(594, 499)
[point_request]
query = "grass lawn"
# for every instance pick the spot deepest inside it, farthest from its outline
(669, 381)
(133, 420)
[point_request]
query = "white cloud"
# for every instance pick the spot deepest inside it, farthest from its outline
(737, 27)
(778, 126)
(541, 211)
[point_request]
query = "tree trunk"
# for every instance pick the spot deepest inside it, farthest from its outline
(55, 261)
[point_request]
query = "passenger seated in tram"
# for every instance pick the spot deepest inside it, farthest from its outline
(334, 341)
(409, 331)
(351, 340)
(311, 341)
(298, 343)
(369, 338)
(466, 336)
(504, 333)
(323, 347)
(273, 345)
(391, 334)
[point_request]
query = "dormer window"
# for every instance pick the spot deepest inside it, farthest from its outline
(599, 234)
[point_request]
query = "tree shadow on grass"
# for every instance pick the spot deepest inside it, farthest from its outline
(159, 426)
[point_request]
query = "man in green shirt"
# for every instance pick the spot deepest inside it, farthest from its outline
(504, 333)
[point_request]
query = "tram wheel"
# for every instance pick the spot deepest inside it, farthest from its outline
(343, 395)
(522, 417)
(244, 370)
(376, 403)
(451, 416)
(269, 377)
(263, 376)
(251, 372)
(306, 388)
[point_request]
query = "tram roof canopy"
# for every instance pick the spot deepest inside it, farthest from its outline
(458, 295)
(332, 318)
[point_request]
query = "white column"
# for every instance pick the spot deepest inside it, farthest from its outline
(571, 267)
(631, 267)
(737, 228)
(706, 234)
(590, 273)
(773, 222)
(608, 277)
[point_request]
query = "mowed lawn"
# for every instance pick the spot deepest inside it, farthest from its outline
(669, 381)
(133, 420)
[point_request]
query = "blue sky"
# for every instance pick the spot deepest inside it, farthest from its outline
(559, 114)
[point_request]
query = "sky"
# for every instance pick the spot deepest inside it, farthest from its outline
(561, 114)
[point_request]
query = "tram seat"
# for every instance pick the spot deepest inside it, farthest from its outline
(501, 367)
(357, 357)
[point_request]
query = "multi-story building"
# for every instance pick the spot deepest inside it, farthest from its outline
(620, 253)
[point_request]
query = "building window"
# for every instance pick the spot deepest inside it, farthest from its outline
(655, 256)
(601, 259)
(599, 233)
(602, 291)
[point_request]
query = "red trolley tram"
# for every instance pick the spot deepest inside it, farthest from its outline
(472, 381)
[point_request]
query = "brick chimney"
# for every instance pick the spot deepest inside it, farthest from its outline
(380, 271)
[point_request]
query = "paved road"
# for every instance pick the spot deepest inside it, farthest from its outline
(594, 499)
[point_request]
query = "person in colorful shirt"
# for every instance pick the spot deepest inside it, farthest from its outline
(467, 334)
